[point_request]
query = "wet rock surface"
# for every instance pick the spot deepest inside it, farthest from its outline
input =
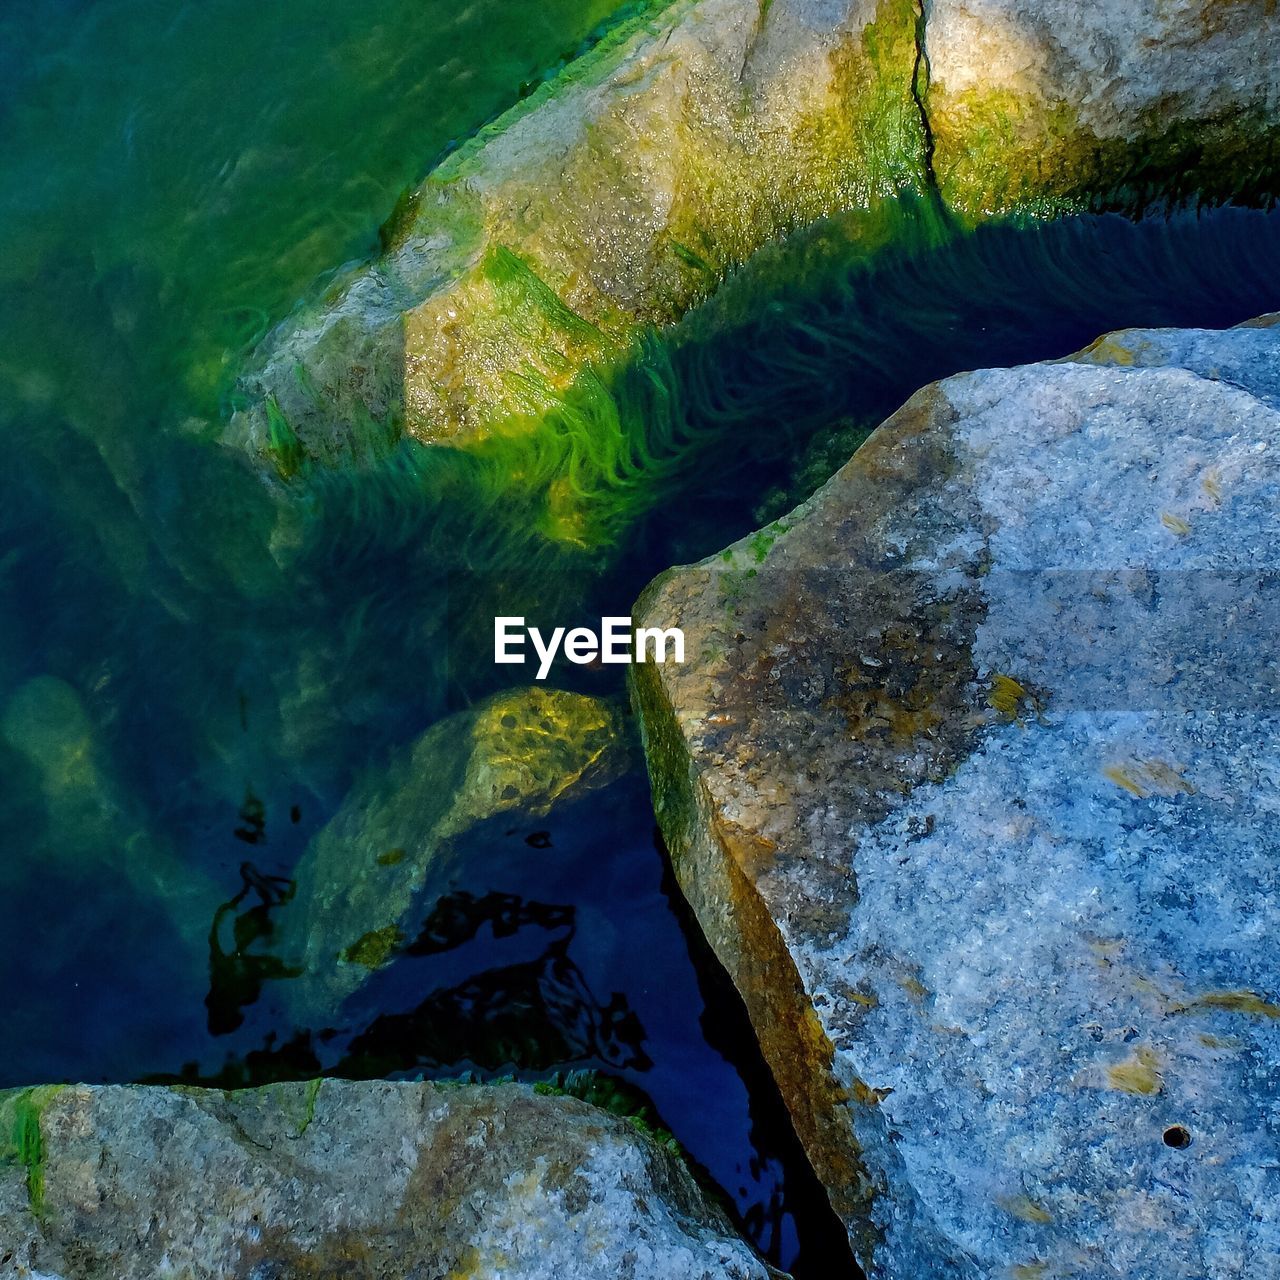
(338, 1178)
(623, 192)
(971, 778)
(615, 197)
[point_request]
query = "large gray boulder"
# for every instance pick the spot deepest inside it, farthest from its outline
(971, 778)
(339, 1179)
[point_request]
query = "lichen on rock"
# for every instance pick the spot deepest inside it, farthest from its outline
(371, 1181)
(970, 783)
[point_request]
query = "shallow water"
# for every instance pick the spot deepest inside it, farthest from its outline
(193, 670)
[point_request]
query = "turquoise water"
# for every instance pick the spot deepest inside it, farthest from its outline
(194, 669)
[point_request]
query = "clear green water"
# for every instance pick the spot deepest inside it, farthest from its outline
(184, 656)
(191, 168)
(173, 177)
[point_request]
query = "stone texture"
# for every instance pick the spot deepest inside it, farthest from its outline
(1044, 100)
(364, 1181)
(364, 883)
(614, 197)
(971, 779)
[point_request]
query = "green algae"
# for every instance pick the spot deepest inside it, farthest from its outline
(283, 445)
(888, 116)
(997, 153)
(545, 269)
(26, 1138)
(310, 1098)
(608, 47)
(519, 284)
(615, 1096)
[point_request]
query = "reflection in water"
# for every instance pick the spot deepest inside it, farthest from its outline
(236, 974)
(534, 1015)
(458, 917)
(583, 961)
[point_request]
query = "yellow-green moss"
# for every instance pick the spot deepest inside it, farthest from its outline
(997, 152)
(1138, 1074)
(375, 948)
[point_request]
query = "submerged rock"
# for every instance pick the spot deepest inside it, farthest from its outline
(613, 197)
(90, 822)
(365, 881)
(971, 779)
(367, 1181)
(624, 191)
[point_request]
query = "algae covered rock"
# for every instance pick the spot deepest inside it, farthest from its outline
(971, 779)
(1044, 101)
(370, 1181)
(625, 191)
(613, 197)
(364, 883)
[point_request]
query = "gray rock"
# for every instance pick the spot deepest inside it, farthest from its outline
(971, 778)
(343, 1179)
(1043, 100)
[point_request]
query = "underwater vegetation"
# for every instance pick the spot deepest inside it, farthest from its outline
(815, 342)
(197, 667)
(282, 639)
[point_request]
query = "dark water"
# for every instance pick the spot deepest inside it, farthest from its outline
(194, 668)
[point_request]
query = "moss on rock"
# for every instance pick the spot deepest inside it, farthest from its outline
(364, 882)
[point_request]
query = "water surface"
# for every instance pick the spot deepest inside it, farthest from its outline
(195, 665)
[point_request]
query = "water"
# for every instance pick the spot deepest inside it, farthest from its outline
(193, 672)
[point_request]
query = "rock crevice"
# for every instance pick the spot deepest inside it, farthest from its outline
(625, 192)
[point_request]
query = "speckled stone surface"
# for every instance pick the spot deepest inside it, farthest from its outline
(972, 780)
(1034, 98)
(363, 1181)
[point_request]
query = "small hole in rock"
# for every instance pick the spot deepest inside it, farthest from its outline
(1177, 1137)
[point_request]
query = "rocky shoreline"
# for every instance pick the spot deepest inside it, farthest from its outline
(968, 777)
(698, 131)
